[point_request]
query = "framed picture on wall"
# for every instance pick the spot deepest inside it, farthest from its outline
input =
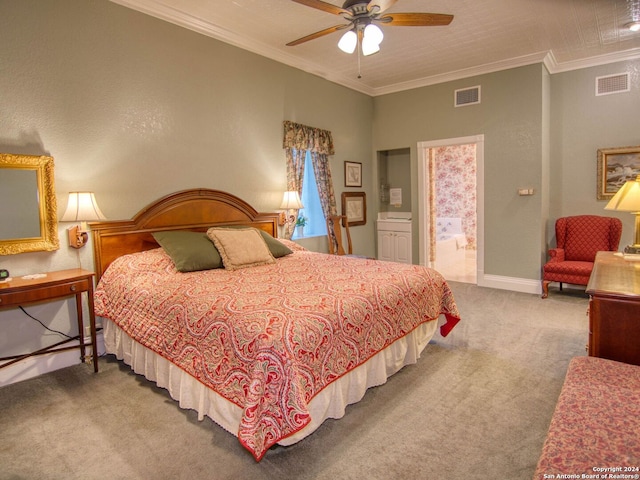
(354, 207)
(352, 174)
(615, 167)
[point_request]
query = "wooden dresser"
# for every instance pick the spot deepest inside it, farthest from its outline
(614, 308)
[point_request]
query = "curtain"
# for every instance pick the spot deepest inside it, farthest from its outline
(432, 206)
(322, 172)
(295, 174)
(298, 140)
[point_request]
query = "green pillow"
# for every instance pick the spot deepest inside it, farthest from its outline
(277, 248)
(190, 251)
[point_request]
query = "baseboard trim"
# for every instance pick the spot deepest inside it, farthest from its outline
(515, 284)
(41, 364)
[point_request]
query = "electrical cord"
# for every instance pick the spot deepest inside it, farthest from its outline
(68, 337)
(47, 328)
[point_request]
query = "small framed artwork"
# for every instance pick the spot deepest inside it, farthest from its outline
(352, 174)
(615, 167)
(354, 207)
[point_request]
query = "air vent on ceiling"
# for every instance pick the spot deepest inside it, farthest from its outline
(467, 96)
(612, 84)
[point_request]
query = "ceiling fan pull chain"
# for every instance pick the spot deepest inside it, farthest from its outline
(359, 48)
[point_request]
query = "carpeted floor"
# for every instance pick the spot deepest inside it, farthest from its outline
(476, 406)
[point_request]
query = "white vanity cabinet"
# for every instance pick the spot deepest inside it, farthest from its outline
(394, 240)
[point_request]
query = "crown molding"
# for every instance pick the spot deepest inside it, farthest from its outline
(464, 73)
(183, 19)
(596, 61)
(546, 58)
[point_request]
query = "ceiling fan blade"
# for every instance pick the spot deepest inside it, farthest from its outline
(415, 19)
(324, 6)
(319, 34)
(382, 5)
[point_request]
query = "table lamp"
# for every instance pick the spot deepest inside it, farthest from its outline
(628, 200)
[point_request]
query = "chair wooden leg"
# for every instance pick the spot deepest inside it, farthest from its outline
(545, 288)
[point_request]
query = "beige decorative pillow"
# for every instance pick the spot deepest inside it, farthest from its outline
(241, 247)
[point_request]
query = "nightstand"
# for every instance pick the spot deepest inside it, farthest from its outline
(53, 286)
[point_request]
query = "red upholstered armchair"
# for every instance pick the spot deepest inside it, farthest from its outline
(578, 240)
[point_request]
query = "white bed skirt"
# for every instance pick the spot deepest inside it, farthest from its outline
(329, 403)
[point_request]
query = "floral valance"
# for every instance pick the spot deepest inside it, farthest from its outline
(302, 137)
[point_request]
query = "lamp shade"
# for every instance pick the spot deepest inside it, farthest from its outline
(291, 200)
(627, 199)
(82, 207)
(348, 42)
(369, 48)
(372, 38)
(372, 33)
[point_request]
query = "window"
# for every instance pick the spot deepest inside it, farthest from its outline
(316, 223)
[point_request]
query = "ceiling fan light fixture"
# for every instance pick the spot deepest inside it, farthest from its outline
(371, 40)
(373, 33)
(369, 48)
(348, 42)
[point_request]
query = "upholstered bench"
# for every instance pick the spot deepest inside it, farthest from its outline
(595, 429)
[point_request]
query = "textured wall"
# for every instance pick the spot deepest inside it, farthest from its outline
(582, 124)
(134, 108)
(541, 131)
(510, 117)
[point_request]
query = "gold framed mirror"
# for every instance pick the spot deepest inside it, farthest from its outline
(28, 208)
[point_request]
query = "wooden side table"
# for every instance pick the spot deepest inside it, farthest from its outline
(53, 286)
(614, 308)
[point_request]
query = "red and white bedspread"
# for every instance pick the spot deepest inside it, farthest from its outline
(270, 338)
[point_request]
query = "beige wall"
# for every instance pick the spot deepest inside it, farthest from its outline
(394, 169)
(134, 108)
(581, 124)
(541, 131)
(510, 117)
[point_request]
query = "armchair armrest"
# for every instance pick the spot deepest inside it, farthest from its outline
(556, 254)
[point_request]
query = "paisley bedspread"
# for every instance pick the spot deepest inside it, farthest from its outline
(270, 338)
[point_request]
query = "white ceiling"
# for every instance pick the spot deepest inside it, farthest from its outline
(485, 36)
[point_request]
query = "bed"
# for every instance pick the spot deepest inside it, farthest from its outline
(268, 348)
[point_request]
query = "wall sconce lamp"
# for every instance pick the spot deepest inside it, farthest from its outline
(81, 207)
(628, 200)
(290, 202)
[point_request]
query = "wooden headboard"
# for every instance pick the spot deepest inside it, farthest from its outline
(195, 210)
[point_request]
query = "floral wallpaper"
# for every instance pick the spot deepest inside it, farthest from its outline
(455, 186)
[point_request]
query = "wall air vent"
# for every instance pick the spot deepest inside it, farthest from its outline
(612, 84)
(466, 96)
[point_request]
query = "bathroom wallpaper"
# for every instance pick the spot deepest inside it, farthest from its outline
(455, 187)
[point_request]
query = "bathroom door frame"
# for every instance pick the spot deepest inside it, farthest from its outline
(424, 149)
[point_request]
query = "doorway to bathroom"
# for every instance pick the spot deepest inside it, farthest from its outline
(450, 192)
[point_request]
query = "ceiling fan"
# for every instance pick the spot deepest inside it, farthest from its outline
(363, 15)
